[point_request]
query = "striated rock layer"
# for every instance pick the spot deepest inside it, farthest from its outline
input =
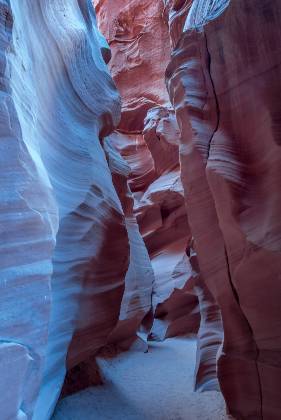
(224, 82)
(64, 240)
(136, 302)
(148, 140)
(150, 148)
(161, 215)
(106, 238)
(135, 28)
(28, 225)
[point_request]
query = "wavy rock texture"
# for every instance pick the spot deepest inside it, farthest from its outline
(136, 302)
(96, 245)
(131, 28)
(57, 100)
(148, 140)
(128, 26)
(134, 316)
(180, 298)
(176, 12)
(28, 224)
(154, 177)
(223, 81)
(161, 215)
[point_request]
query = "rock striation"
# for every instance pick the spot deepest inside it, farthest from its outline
(64, 239)
(148, 140)
(223, 82)
(135, 308)
(125, 224)
(28, 225)
(131, 28)
(162, 218)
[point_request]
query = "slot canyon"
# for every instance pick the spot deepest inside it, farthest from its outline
(140, 211)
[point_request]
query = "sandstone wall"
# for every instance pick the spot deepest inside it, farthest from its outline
(148, 140)
(64, 241)
(122, 228)
(224, 82)
(132, 28)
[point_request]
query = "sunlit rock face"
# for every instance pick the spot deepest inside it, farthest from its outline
(135, 30)
(148, 140)
(224, 82)
(64, 242)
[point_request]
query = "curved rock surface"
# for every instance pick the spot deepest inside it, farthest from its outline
(136, 302)
(161, 227)
(162, 218)
(148, 140)
(65, 251)
(132, 28)
(149, 146)
(223, 81)
(28, 225)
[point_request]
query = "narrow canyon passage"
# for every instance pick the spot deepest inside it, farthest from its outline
(140, 206)
(156, 385)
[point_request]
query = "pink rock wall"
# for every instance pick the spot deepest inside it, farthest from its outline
(149, 145)
(161, 215)
(160, 228)
(223, 81)
(148, 140)
(136, 303)
(131, 28)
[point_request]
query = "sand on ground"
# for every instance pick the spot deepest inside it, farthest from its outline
(157, 385)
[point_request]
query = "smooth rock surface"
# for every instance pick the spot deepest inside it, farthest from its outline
(169, 225)
(162, 218)
(64, 242)
(132, 29)
(136, 302)
(92, 230)
(149, 143)
(28, 224)
(224, 84)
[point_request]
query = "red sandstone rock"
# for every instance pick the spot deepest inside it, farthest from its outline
(155, 178)
(136, 303)
(176, 12)
(161, 135)
(161, 215)
(224, 82)
(132, 28)
(162, 218)
(134, 150)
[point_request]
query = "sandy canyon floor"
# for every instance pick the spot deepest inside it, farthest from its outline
(146, 386)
